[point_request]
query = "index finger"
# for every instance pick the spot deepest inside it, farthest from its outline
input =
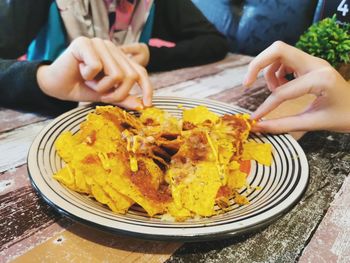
(142, 79)
(310, 83)
(131, 48)
(145, 84)
(278, 52)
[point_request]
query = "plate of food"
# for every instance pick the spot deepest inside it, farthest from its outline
(184, 169)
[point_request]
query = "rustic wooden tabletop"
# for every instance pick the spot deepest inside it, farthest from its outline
(315, 230)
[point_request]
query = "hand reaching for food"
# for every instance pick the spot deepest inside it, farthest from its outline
(95, 70)
(138, 52)
(329, 111)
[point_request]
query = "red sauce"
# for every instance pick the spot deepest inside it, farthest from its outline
(235, 122)
(113, 118)
(224, 191)
(91, 159)
(197, 146)
(143, 181)
(149, 122)
(188, 126)
(245, 166)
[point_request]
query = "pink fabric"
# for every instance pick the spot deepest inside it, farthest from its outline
(22, 58)
(124, 12)
(156, 42)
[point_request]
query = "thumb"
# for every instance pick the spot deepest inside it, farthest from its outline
(307, 121)
(133, 48)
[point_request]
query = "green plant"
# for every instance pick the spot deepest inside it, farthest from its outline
(327, 40)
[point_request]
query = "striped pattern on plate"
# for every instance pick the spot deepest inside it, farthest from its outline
(281, 185)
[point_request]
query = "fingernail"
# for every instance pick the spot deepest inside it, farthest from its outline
(246, 89)
(105, 98)
(139, 107)
(256, 127)
(246, 81)
(147, 102)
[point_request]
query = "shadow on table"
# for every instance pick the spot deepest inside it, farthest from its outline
(284, 240)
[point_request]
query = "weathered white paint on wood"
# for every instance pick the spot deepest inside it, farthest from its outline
(170, 78)
(331, 241)
(206, 86)
(14, 179)
(37, 237)
(281, 241)
(25, 220)
(15, 145)
(10, 119)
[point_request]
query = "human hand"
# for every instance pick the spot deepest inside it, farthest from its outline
(329, 111)
(95, 70)
(139, 52)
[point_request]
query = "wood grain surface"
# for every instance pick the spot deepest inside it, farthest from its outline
(32, 232)
(27, 222)
(331, 241)
(286, 239)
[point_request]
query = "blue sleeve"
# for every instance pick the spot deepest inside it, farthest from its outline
(263, 22)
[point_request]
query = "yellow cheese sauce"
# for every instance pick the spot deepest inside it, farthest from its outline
(177, 168)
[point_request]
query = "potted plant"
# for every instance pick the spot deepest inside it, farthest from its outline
(330, 41)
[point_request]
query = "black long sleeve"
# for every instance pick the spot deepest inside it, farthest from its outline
(197, 40)
(20, 22)
(19, 89)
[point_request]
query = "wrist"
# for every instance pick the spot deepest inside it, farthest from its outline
(43, 79)
(147, 54)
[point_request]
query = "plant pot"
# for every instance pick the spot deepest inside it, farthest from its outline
(344, 70)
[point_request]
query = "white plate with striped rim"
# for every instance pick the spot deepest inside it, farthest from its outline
(280, 186)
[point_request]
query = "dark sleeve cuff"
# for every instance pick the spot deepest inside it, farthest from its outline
(19, 89)
(187, 53)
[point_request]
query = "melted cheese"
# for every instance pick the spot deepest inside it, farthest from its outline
(115, 158)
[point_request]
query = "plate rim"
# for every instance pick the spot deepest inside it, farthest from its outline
(153, 231)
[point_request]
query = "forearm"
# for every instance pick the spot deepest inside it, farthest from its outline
(19, 89)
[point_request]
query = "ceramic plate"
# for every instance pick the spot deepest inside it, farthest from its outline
(281, 185)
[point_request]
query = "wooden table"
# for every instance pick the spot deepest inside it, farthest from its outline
(315, 230)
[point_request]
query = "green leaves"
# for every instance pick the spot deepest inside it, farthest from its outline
(327, 40)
